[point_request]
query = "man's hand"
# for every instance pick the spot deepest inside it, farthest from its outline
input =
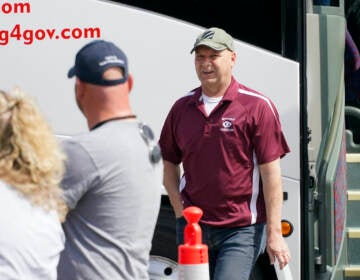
(277, 249)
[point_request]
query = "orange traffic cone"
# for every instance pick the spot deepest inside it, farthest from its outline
(193, 257)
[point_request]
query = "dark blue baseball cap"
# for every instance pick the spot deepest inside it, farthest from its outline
(94, 58)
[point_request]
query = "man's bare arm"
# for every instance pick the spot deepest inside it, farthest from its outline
(273, 195)
(171, 182)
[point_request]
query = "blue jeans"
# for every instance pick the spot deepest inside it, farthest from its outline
(232, 251)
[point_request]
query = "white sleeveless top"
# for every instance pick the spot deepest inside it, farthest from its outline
(31, 239)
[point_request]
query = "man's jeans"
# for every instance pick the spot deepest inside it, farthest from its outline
(232, 251)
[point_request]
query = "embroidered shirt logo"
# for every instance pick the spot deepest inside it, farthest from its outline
(227, 124)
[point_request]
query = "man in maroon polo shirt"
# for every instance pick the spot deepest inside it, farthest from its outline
(229, 140)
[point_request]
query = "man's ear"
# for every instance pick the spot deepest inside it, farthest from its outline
(130, 82)
(79, 88)
(233, 58)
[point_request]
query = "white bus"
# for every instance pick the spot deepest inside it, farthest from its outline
(285, 49)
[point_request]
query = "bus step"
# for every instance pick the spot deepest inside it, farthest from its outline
(354, 232)
(353, 195)
(353, 167)
(352, 271)
(354, 245)
(353, 208)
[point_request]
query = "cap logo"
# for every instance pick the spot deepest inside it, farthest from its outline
(207, 35)
(111, 59)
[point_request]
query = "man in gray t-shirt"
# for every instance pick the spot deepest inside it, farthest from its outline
(111, 186)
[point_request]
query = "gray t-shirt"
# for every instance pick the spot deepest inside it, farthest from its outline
(114, 192)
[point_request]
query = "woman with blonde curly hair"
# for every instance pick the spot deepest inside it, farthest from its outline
(31, 209)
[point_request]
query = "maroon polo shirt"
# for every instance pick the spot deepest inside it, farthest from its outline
(220, 153)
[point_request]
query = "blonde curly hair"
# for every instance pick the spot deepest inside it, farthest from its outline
(31, 160)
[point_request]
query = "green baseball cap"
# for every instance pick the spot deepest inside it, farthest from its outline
(214, 38)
